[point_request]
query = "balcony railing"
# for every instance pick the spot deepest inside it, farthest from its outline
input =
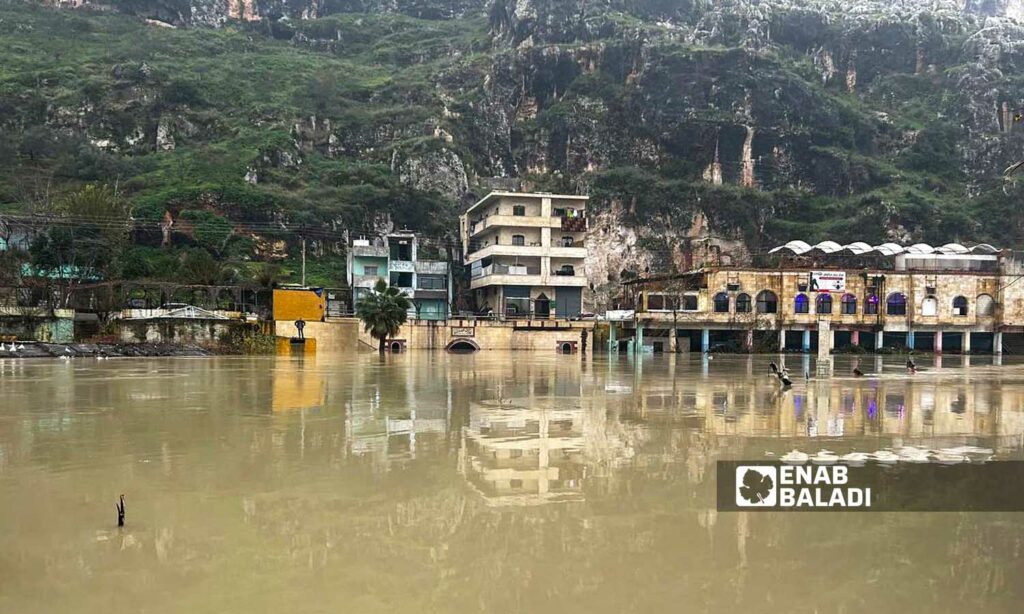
(428, 267)
(506, 269)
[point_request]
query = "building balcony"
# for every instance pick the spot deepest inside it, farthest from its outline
(365, 281)
(512, 275)
(431, 294)
(573, 224)
(514, 221)
(427, 267)
(370, 251)
(402, 266)
(528, 250)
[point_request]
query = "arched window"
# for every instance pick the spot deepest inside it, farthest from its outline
(871, 305)
(960, 306)
(896, 304)
(929, 306)
(518, 240)
(823, 304)
(767, 302)
(721, 303)
(743, 303)
(848, 305)
(985, 305)
(801, 304)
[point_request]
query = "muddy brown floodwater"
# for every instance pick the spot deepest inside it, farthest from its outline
(493, 482)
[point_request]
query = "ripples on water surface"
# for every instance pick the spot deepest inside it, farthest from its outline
(482, 483)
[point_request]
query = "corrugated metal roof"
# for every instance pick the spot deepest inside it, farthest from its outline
(885, 249)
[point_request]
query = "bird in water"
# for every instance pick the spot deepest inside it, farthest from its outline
(807, 376)
(857, 372)
(774, 367)
(120, 512)
(911, 367)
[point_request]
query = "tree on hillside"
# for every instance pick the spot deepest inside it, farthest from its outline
(383, 312)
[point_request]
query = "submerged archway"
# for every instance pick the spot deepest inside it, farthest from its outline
(462, 346)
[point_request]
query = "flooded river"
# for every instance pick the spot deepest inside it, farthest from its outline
(493, 482)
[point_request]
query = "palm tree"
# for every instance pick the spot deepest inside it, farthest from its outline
(383, 312)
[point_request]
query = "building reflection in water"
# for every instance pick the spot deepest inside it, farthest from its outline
(889, 407)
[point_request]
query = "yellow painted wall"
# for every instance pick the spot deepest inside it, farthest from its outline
(335, 335)
(292, 305)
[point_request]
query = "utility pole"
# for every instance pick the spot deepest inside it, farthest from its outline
(303, 261)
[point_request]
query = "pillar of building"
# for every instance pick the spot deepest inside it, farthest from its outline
(782, 339)
(672, 343)
(910, 339)
(937, 346)
(855, 338)
(613, 342)
(805, 341)
(997, 343)
(879, 340)
(705, 340)
(825, 338)
(749, 342)
(965, 343)
(639, 346)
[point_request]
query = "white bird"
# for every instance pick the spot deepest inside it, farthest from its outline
(67, 350)
(21, 346)
(13, 349)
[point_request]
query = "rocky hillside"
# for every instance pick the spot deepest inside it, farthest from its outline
(752, 122)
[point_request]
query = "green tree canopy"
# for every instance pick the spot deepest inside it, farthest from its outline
(383, 312)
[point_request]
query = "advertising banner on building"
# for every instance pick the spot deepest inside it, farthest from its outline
(828, 281)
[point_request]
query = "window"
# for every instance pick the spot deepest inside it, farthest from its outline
(743, 303)
(929, 306)
(985, 305)
(431, 282)
(655, 302)
(801, 304)
(721, 303)
(896, 305)
(871, 305)
(823, 304)
(567, 241)
(518, 240)
(960, 306)
(767, 302)
(370, 270)
(519, 210)
(401, 280)
(689, 302)
(848, 305)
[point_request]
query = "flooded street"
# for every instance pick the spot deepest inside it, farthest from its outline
(493, 482)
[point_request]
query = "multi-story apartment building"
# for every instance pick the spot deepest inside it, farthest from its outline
(526, 254)
(395, 259)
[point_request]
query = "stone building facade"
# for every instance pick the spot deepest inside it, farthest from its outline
(917, 297)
